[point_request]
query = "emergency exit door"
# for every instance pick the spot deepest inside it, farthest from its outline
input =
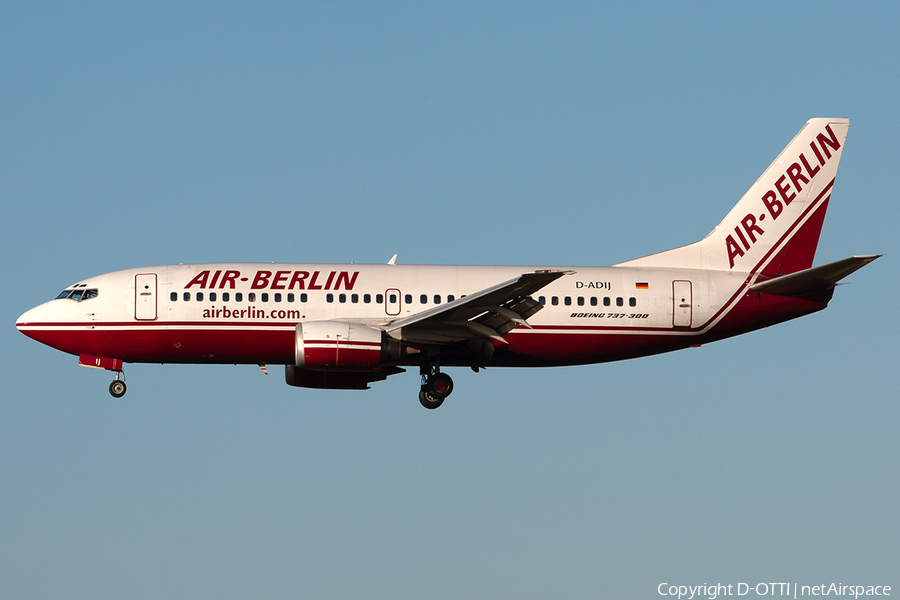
(681, 298)
(145, 297)
(392, 302)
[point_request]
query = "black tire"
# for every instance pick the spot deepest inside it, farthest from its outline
(429, 402)
(117, 388)
(439, 386)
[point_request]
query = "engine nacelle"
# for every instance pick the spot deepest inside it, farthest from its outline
(341, 346)
(336, 380)
(338, 355)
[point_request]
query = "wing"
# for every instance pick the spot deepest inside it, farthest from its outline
(486, 314)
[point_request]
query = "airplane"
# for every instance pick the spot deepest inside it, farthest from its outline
(347, 326)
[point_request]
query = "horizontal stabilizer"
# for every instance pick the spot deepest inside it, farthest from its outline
(814, 279)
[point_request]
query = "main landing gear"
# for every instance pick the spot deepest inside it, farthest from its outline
(117, 388)
(435, 387)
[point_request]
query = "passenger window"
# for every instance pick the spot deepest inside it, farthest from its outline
(251, 297)
(620, 302)
(392, 298)
(304, 298)
(212, 296)
(238, 296)
(606, 301)
(408, 298)
(379, 298)
(554, 301)
(367, 298)
(342, 298)
(580, 300)
(437, 299)
(264, 297)
(187, 296)
(423, 299)
(329, 297)
(593, 300)
(291, 297)
(450, 297)
(199, 296)
(354, 298)
(542, 300)
(568, 301)
(226, 296)
(632, 302)
(277, 297)
(173, 296)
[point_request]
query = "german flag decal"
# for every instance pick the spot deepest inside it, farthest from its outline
(642, 285)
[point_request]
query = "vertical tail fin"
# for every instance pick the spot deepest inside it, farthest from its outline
(774, 228)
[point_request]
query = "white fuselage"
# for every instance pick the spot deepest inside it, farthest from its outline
(247, 312)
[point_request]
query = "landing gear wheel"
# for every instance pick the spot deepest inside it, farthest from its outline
(438, 386)
(117, 388)
(428, 402)
(435, 385)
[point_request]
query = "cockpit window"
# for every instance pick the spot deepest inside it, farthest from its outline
(78, 295)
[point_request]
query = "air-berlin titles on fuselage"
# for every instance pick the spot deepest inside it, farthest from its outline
(782, 194)
(278, 280)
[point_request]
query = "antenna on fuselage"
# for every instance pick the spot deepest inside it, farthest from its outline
(393, 260)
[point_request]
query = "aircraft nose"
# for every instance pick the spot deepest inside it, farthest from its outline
(32, 319)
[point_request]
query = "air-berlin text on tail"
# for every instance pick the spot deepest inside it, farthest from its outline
(782, 193)
(222, 279)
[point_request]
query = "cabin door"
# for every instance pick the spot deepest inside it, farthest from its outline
(145, 297)
(681, 297)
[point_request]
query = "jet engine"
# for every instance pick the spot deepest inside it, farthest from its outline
(342, 355)
(341, 346)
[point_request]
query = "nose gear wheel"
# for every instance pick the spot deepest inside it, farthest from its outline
(118, 388)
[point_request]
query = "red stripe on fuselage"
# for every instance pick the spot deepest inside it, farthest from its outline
(543, 346)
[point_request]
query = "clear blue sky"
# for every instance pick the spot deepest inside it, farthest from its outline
(469, 133)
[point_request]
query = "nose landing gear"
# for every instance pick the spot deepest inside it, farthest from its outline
(435, 387)
(117, 388)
